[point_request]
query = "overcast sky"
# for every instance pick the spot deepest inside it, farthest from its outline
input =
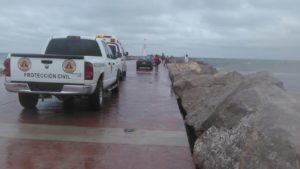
(200, 28)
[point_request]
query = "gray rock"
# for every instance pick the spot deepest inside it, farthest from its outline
(241, 121)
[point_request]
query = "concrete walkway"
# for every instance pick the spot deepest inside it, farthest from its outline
(139, 128)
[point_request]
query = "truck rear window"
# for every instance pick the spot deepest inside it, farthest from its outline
(73, 47)
(113, 48)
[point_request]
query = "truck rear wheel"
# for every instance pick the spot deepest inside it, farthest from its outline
(96, 99)
(28, 100)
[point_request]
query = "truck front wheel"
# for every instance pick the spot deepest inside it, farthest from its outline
(28, 100)
(96, 99)
(117, 83)
(120, 76)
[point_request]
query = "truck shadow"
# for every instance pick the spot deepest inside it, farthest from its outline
(53, 112)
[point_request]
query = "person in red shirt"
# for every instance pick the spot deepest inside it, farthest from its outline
(156, 60)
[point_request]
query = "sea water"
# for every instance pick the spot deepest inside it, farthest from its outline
(287, 71)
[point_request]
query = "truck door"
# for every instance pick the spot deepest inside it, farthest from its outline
(118, 56)
(111, 66)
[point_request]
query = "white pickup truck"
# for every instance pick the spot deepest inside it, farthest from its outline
(117, 49)
(72, 66)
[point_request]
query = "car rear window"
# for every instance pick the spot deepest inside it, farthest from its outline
(145, 57)
(73, 47)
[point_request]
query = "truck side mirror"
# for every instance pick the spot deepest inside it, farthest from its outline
(126, 53)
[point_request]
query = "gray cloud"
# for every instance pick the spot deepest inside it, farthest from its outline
(205, 28)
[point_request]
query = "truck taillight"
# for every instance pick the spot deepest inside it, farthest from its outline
(88, 71)
(6, 70)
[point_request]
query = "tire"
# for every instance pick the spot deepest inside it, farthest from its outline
(96, 99)
(121, 78)
(28, 100)
(124, 73)
(117, 83)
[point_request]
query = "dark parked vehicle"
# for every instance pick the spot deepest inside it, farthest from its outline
(144, 62)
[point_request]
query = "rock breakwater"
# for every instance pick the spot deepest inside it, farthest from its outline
(239, 121)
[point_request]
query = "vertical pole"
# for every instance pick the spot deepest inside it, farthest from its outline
(145, 48)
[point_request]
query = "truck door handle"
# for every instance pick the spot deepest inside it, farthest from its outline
(47, 61)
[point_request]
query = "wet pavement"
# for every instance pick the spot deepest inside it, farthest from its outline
(138, 128)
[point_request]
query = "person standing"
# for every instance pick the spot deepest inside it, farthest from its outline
(167, 60)
(163, 57)
(156, 60)
(186, 58)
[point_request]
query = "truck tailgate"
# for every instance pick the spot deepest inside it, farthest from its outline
(47, 68)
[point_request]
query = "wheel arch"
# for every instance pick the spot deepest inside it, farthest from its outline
(101, 77)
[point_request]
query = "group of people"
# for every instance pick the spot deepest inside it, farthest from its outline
(162, 59)
(166, 59)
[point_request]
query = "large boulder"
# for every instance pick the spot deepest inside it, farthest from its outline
(240, 121)
(187, 76)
